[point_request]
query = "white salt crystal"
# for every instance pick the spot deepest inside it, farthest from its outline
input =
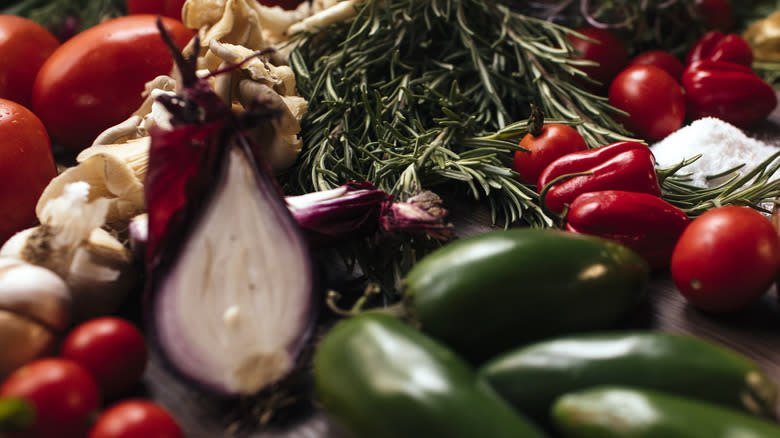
(723, 146)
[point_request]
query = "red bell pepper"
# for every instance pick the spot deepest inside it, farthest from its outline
(731, 92)
(642, 222)
(626, 165)
(717, 46)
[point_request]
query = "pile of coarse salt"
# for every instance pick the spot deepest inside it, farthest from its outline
(722, 147)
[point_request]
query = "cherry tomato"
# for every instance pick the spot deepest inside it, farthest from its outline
(167, 8)
(62, 393)
(726, 259)
(607, 50)
(663, 60)
(554, 141)
(652, 98)
(27, 166)
(95, 79)
(717, 14)
(112, 350)
(24, 46)
(134, 419)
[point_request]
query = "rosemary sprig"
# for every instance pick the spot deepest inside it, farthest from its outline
(411, 94)
(758, 188)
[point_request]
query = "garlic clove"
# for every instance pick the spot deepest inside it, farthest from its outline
(21, 340)
(35, 293)
(100, 275)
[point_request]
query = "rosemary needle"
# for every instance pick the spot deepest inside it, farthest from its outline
(446, 106)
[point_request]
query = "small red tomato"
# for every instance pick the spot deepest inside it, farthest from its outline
(62, 393)
(652, 98)
(24, 46)
(112, 350)
(136, 419)
(27, 166)
(606, 49)
(555, 140)
(96, 79)
(663, 60)
(726, 259)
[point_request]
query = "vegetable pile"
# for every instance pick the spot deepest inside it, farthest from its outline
(270, 185)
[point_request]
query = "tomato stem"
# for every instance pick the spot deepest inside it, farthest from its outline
(536, 120)
(16, 414)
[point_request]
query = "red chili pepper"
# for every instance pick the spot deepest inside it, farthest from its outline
(730, 92)
(642, 222)
(626, 165)
(717, 46)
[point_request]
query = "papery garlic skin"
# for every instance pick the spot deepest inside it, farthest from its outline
(21, 341)
(35, 293)
(97, 268)
(35, 307)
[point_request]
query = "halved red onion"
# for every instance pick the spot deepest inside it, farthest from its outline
(231, 288)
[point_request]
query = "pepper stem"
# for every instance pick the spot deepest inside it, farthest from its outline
(536, 120)
(16, 414)
(560, 219)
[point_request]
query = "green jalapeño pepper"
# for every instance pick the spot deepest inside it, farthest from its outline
(643, 222)
(381, 378)
(731, 92)
(717, 46)
(625, 412)
(485, 294)
(625, 165)
(533, 376)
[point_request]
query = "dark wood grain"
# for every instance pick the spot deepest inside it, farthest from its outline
(754, 332)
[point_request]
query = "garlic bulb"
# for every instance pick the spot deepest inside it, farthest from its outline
(97, 268)
(35, 306)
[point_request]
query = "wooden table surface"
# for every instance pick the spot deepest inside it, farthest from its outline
(754, 332)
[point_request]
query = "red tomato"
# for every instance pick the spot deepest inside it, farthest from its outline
(62, 393)
(726, 259)
(24, 46)
(663, 60)
(95, 79)
(652, 98)
(167, 8)
(27, 166)
(112, 350)
(135, 419)
(555, 141)
(607, 50)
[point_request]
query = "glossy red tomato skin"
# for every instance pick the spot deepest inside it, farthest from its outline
(24, 47)
(95, 80)
(135, 419)
(653, 99)
(112, 349)
(607, 50)
(663, 60)
(726, 259)
(167, 8)
(27, 166)
(555, 140)
(63, 395)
